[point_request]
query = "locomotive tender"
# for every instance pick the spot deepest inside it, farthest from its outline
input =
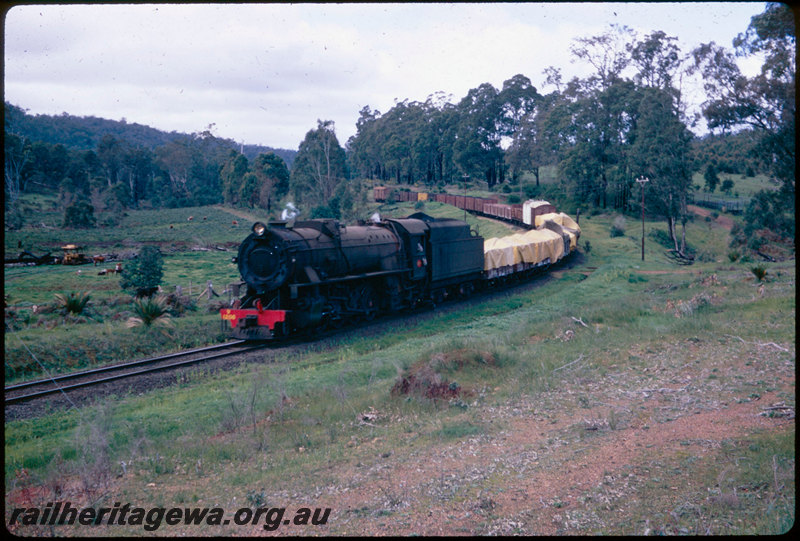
(316, 273)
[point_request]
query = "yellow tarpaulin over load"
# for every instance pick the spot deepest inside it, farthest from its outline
(558, 217)
(569, 225)
(542, 244)
(499, 252)
(530, 247)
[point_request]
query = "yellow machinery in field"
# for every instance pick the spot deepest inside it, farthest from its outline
(72, 256)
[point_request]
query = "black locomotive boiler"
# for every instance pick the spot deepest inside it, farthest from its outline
(320, 272)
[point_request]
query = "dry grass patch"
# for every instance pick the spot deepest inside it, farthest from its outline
(427, 377)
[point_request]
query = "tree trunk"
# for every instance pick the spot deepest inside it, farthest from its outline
(683, 236)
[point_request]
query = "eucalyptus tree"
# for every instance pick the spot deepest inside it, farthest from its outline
(518, 102)
(397, 127)
(765, 103)
(594, 143)
(175, 159)
(537, 139)
(622, 121)
(16, 155)
(137, 163)
(110, 152)
(249, 190)
(661, 151)
(319, 166)
(232, 174)
(608, 54)
(661, 143)
(273, 178)
(411, 142)
(598, 108)
(363, 151)
(441, 129)
(427, 141)
(476, 148)
(657, 59)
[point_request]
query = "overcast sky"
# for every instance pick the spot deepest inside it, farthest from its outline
(264, 74)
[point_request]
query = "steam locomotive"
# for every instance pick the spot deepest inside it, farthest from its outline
(317, 273)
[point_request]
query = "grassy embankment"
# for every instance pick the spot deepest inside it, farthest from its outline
(523, 390)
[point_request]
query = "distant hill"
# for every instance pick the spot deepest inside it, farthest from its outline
(83, 133)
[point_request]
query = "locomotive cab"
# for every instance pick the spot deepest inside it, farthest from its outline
(413, 233)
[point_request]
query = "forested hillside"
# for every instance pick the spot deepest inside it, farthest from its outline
(80, 133)
(113, 165)
(86, 132)
(626, 120)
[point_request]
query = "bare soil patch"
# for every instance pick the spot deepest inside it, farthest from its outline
(548, 458)
(724, 221)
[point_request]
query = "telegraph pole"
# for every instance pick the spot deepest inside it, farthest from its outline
(642, 180)
(466, 177)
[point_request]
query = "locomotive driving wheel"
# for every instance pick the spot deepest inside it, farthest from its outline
(362, 300)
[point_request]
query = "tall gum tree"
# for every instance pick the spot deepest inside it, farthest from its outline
(765, 103)
(319, 166)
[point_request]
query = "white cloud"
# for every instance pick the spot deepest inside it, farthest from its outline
(266, 73)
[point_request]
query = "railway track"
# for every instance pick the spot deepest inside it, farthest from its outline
(87, 378)
(21, 399)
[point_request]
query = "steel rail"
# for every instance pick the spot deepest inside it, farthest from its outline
(89, 383)
(120, 366)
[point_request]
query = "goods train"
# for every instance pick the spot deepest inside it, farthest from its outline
(320, 273)
(521, 214)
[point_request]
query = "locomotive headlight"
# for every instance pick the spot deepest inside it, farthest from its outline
(259, 229)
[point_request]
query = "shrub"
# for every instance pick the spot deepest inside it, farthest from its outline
(727, 186)
(179, 305)
(148, 311)
(79, 214)
(661, 237)
(733, 256)
(759, 272)
(532, 191)
(325, 211)
(618, 227)
(755, 243)
(72, 303)
(145, 271)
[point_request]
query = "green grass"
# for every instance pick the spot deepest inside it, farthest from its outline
(171, 228)
(301, 420)
(219, 421)
(746, 187)
(745, 487)
(76, 344)
(25, 286)
(484, 226)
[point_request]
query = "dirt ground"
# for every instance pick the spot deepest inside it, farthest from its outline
(536, 472)
(724, 221)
